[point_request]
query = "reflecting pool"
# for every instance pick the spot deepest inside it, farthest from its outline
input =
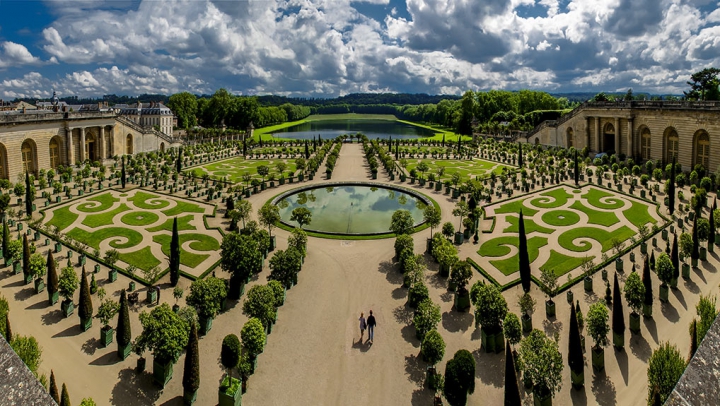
(351, 208)
(371, 128)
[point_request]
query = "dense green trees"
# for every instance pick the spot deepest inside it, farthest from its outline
(240, 255)
(665, 368)
(459, 378)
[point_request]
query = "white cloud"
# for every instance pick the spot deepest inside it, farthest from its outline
(13, 54)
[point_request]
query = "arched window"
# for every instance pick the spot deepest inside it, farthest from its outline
(129, 144)
(645, 143)
(3, 162)
(28, 157)
(162, 147)
(702, 148)
(672, 145)
(54, 153)
(570, 138)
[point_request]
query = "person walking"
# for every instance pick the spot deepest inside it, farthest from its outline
(371, 327)
(363, 326)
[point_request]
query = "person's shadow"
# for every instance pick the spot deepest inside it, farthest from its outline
(360, 345)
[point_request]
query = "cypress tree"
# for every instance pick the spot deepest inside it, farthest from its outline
(520, 157)
(229, 205)
(443, 141)
(85, 310)
(695, 254)
(523, 256)
(307, 150)
(65, 400)
(647, 282)
(191, 373)
(8, 329)
(28, 195)
(652, 260)
(5, 239)
(123, 327)
(52, 276)
(693, 339)
(575, 355)
(397, 147)
(53, 388)
(711, 220)
(26, 257)
(244, 148)
(459, 143)
(618, 319)
(675, 257)
(671, 189)
(577, 170)
(178, 162)
(512, 391)
(122, 172)
(175, 254)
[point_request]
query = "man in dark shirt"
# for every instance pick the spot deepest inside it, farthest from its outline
(371, 326)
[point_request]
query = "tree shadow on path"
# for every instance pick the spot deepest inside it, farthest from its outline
(603, 389)
(134, 389)
(492, 364)
(454, 321)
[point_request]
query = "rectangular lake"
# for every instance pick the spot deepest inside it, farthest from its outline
(371, 128)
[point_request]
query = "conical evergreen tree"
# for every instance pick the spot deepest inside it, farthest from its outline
(5, 239)
(229, 205)
(26, 257)
(307, 150)
(124, 335)
(652, 260)
(520, 157)
(244, 148)
(695, 254)
(459, 146)
(85, 308)
(8, 329)
(671, 189)
(647, 282)
(577, 170)
(122, 172)
(512, 391)
(191, 373)
(443, 140)
(53, 388)
(29, 195)
(693, 339)
(178, 161)
(675, 257)
(65, 399)
(575, 355)
(523, 256)
(52, 276)
(618, 319)
(175, 255)
(711, 220)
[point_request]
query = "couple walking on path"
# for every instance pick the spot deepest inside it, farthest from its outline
(369, 324)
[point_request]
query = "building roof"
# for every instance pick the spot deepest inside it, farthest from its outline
(18, 386)
(700, 383)
(149, 109)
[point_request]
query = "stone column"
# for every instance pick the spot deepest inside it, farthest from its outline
(630, 137)
(102, 143)
(597, 134)
(70, 154)
(82, 143)
(587, 133)
(617, 136)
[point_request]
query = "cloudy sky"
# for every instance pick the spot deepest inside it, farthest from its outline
(326, 48)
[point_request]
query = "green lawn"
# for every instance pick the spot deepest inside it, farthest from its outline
(103, 219)
(605, 238)
(561, 218)
(552, 199)
(141, 200)
(497, 247)
(601, 218)
(199, 242)
(561, 263)
(121, 237)
(183, 225)
(530, 226)
(514, 207)
(466, 169)
(233, 169)
(62, 218)
(638, 214)
(106, 201)
(593, 197)
(183, 207)
(141, 259)
(140, 218)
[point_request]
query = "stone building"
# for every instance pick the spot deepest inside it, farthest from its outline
(153, 114)
(659, 130)
(44, 139)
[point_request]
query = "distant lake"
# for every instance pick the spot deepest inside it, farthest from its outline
(371, 128)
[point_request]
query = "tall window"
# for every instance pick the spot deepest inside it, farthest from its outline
(129, 145)
(27, 157)
(54, 153)
(645, 144)
(672, 146)
(570, 138)
(703, 151)
(3, 159)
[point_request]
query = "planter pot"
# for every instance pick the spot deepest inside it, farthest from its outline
(664, 292)
(106, 336)
(694, 262)
(635, 323)
(570, 296)
(140, 365)
(598, 359)
(17, 267)
(205, 325)
(459, 238)
(462, 300)
(112, 275)
(703, 254)
(647, 310)
(124, 351)
(492, 341)
(131, 286)
(53, 297)
(542, 399)
(162, 372)
(39, 285)
(273, 243)
(711, 247)
(673, 283)
(588, 284)
(618, 340)
(189, 397)
(151, 295)
(27, 278)
(550, 309)
(578, 380)
(632, 257)
(230, 399)
(527, 382)
(604, 274)
(85, 324)
(444, 271)
(526, 323)
(68, 307)
(619, 265)
(686, 271)
(452, 286)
